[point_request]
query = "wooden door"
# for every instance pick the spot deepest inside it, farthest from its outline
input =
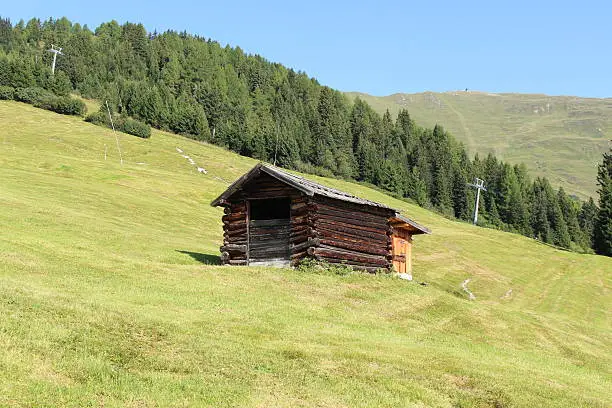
(401, 251)
(269, 242)
(269, 227)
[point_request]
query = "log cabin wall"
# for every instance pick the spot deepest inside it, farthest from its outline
(302, 231)
(357, 235)
(235, 237)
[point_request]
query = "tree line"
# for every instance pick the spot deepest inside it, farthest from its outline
(196, 87)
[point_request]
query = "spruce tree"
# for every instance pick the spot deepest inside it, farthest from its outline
(570, 215)
(493, 214)
(602, 233)
(460, 179)
(587, 218)
(539, 213)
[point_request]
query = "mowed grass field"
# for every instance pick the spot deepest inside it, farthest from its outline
(110, 296)
(560, 137)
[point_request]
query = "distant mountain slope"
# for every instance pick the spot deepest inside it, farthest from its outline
(560, 137)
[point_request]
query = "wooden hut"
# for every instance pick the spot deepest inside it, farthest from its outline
(273, 217)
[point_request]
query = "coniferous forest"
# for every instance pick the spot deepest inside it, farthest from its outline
(193, 86)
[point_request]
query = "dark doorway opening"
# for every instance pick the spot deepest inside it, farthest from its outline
(270, 209)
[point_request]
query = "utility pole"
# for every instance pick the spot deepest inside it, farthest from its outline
(55, 53)
(479, 185)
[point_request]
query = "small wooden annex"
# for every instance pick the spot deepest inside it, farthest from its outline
(273, 217)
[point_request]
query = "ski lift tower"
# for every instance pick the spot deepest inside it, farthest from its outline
(55, 52)
(479, 185)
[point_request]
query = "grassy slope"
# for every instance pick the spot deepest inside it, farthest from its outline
(106, 297)
(560, 137)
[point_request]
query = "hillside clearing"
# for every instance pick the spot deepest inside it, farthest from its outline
(110, 295)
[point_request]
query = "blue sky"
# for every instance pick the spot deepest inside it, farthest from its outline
(386, 47)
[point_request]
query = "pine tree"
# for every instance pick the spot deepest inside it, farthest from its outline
(460, 195)
(570, 215)
(602, 233)
(493, 215)
(6, 34)
(560, 233)
(441, 194)
(587, 218)
(539, 213)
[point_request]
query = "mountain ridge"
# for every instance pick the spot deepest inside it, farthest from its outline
(560, 137)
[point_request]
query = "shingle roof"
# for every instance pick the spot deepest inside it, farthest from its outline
(309, 188)
(306, 186)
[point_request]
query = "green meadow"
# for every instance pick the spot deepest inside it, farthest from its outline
(559, 137)
(111, 296)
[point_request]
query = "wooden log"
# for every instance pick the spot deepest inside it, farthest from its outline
(277, 244)
(235, 226)
(350, 232)
(237, 262)
(355, 227)
(356, 237)
(234, 248)
(225, 256)
(382, 226)
(268, 238)
(301, 219)
(308, 243)
(372, 250)
(272, 253)
(300, 254)
(331, 224)
(234, 216)
(276, 239)
(302, 235)
(262, 235)
(298, 240)
(262, 194)
(234, 233)
(240, 240)
(300, 205)
(301, 213)
(299, 228)
(238, 207)
(258, 227)
(338, 253)
(342, 213)
(300, 199)
(354, 207)
(270, 223)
